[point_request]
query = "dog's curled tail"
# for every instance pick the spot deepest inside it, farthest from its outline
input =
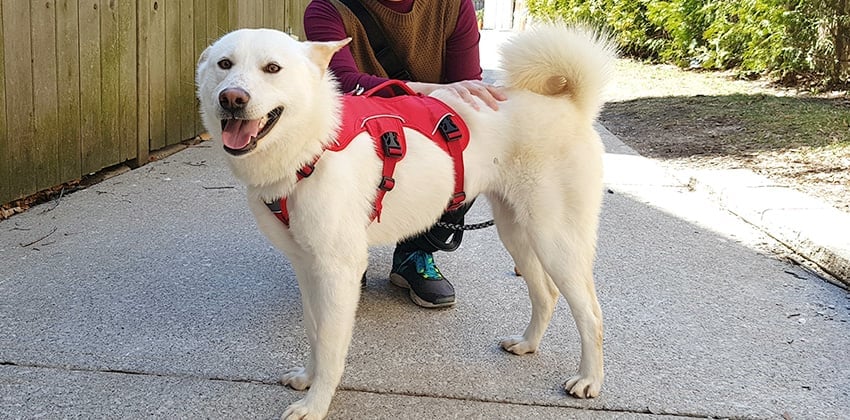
(556, 59)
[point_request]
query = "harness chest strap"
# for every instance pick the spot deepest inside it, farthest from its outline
(391, 147)
(367, 113)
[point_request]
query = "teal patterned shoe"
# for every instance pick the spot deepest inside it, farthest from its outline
(417, 272)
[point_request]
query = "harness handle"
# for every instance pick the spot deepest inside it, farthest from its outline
(390, 88)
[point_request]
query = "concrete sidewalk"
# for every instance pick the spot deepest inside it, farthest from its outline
(152, 294)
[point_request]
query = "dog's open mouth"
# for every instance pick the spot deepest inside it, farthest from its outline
(241, 136)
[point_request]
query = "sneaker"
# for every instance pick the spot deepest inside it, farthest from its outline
(417, 272)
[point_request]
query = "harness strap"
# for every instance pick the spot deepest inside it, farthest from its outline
(278, 207)
(391, 148)
(451, 133)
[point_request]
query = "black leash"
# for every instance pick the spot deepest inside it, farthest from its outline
(457, 227)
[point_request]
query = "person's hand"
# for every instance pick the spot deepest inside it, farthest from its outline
(468, 90)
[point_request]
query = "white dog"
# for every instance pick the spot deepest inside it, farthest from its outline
(537, 160)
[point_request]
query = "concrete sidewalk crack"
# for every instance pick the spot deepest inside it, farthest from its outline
(342, 388)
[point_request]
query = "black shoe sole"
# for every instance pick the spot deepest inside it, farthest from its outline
(400, 281)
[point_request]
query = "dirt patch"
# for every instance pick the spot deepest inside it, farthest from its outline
(711, 120)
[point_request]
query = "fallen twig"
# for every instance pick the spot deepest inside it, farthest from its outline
(58, 199)
(39, 239)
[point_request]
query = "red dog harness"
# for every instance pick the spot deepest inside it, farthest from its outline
(385, 119)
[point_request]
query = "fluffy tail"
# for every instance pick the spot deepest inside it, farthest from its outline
(555, 59)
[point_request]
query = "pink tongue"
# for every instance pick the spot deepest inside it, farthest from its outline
(237, 133)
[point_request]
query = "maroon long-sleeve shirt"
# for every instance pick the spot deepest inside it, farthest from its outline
(322, 22)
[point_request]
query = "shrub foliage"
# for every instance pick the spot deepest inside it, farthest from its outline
(787, 38)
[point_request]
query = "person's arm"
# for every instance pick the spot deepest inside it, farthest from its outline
(463, 59)
(322, 22)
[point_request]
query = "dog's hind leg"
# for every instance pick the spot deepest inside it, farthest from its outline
(329, 294)
(567, 256)
(541, 290)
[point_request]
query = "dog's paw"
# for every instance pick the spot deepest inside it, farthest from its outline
(297, 378)
(301, 410)
(583, 386)
(517, 344)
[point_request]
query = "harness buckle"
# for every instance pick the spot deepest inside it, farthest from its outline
(278, 209)
(456, 201)
(449, 129)
(305, 171)
(390, 145)
(387, 183)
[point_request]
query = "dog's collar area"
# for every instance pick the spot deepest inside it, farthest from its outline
(278, 206)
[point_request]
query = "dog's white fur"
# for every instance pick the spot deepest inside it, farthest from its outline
(537, 159)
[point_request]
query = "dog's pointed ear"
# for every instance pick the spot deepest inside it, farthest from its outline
(321, 52)
(204, 55)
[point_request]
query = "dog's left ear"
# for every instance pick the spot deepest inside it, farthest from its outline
(321, 52)
(203, 58)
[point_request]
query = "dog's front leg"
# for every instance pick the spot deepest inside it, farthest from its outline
(329, 293)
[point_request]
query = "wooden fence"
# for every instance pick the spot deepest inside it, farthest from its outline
(88, 84)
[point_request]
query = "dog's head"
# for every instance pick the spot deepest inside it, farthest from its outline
(256, 82)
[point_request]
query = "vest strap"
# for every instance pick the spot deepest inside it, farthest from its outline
(451, 134)
(391, 149)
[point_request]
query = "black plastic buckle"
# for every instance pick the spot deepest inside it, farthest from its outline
(387, 183)
(306, 171)
(449, 129)
(274, 206)
(390, 144)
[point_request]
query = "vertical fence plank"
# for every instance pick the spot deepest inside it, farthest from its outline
(248, 14)
(295, 17)
(5, 155)
(257, 14)
(109, 146)
(172, 72)
(233, 16)
(156, 64)
(199, 24)
(18, 72)
(45, 100)
(68, 88)
(90, 78)
(143, 106)
(127, 79)
(225, 19)
(274, 14)
(187, 59)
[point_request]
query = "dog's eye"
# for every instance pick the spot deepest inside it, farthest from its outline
(271, 68)
(225, 64)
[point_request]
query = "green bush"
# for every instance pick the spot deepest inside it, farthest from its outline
(788, 38)
(636, 35)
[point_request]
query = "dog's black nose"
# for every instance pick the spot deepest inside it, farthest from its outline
(233, 99)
